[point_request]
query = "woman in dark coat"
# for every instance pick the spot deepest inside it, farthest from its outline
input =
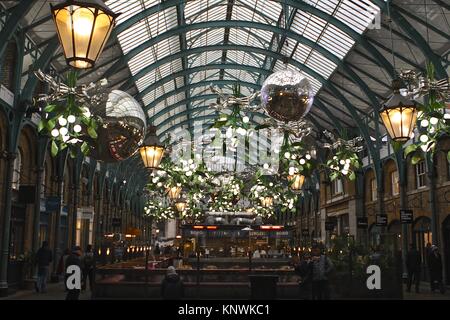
(305, 270)
(435, 266)
(172, 287)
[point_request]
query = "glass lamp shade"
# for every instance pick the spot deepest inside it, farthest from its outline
(83, 28)
(296, 181)
(399, 116)
(152, 151)
(266, 202)
(152, 156)
(174, 192)
(181, 206)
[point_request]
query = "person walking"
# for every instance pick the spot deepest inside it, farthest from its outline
(435, 266)
(321, 268)
(44, 257)
(74, 260)
(172, 287)
(157, 250)
(413, 263)
(305, 270)
(88, 267)
(62, 265)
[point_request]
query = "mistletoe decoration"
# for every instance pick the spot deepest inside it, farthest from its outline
(344, 161)
(67, 118)
(433, 121)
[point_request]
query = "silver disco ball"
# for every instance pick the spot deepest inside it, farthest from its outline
(123, 129)
(286, 95)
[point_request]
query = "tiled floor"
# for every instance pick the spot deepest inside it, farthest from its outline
(55, 291)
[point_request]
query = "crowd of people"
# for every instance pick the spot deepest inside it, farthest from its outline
(74, 257)
(314, 269)
(434, 264)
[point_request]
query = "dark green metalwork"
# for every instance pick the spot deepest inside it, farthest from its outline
(9, 29)
(184, 73)
(421, 43)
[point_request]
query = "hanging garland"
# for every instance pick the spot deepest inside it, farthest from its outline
(67, 121)
(433, 123)
(344, 159)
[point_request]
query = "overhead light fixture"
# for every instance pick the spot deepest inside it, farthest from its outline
(296, 181)
(83, 28)
(181, 206)
(152, 151)
(174, 192)
(267, 202)
(399, 114)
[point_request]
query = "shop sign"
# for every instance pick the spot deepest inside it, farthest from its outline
(362, 223)
(329, 225)
(382, 220)
(406, 216)
(116, 222)
(52, 204)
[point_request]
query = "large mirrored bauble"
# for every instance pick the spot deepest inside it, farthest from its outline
(123, 128)
(287, 95)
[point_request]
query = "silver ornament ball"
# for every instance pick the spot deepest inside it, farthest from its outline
(123, 128)
(287, 95)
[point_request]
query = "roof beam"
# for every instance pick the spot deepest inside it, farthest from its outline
(11, 25)
(189, 71)
(421, 43)
(183, 47)
(424, 23)
(225, 47)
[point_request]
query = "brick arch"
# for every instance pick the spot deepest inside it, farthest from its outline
(50, 174)
(389, 167)
(369, 174)
(3, 129)
(27, 147)
(84, 180)
(67, 182)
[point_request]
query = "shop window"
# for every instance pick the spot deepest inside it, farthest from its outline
(337, 187)
(43, 184)
(395, 183)
(373, 189)
(421, 174)
(448, 168)
(16, 171)
(17, 232)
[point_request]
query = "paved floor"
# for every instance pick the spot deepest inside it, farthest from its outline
(56, 292)
(425, 293)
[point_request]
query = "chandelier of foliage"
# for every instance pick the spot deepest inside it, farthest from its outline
(68, 119)
(107, 125)
(432, 118)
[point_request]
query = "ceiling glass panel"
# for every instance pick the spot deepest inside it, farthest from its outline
(357, 14)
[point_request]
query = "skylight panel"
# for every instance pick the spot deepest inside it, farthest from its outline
(206, 57)
(241, 12)
(320, 64)
(215, 13)
(212, 37)
(194, 7)
(270, 8)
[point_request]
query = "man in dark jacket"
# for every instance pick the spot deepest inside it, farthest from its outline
(305, 270)
(172, 287)
(88, 267)
(413, 263)
(43, 259)
(321, 269)
(74, 260)
(435, 266)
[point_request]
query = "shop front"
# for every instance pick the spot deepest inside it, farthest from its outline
(235, 241)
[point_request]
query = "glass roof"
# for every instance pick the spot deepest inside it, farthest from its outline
(231, 41)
